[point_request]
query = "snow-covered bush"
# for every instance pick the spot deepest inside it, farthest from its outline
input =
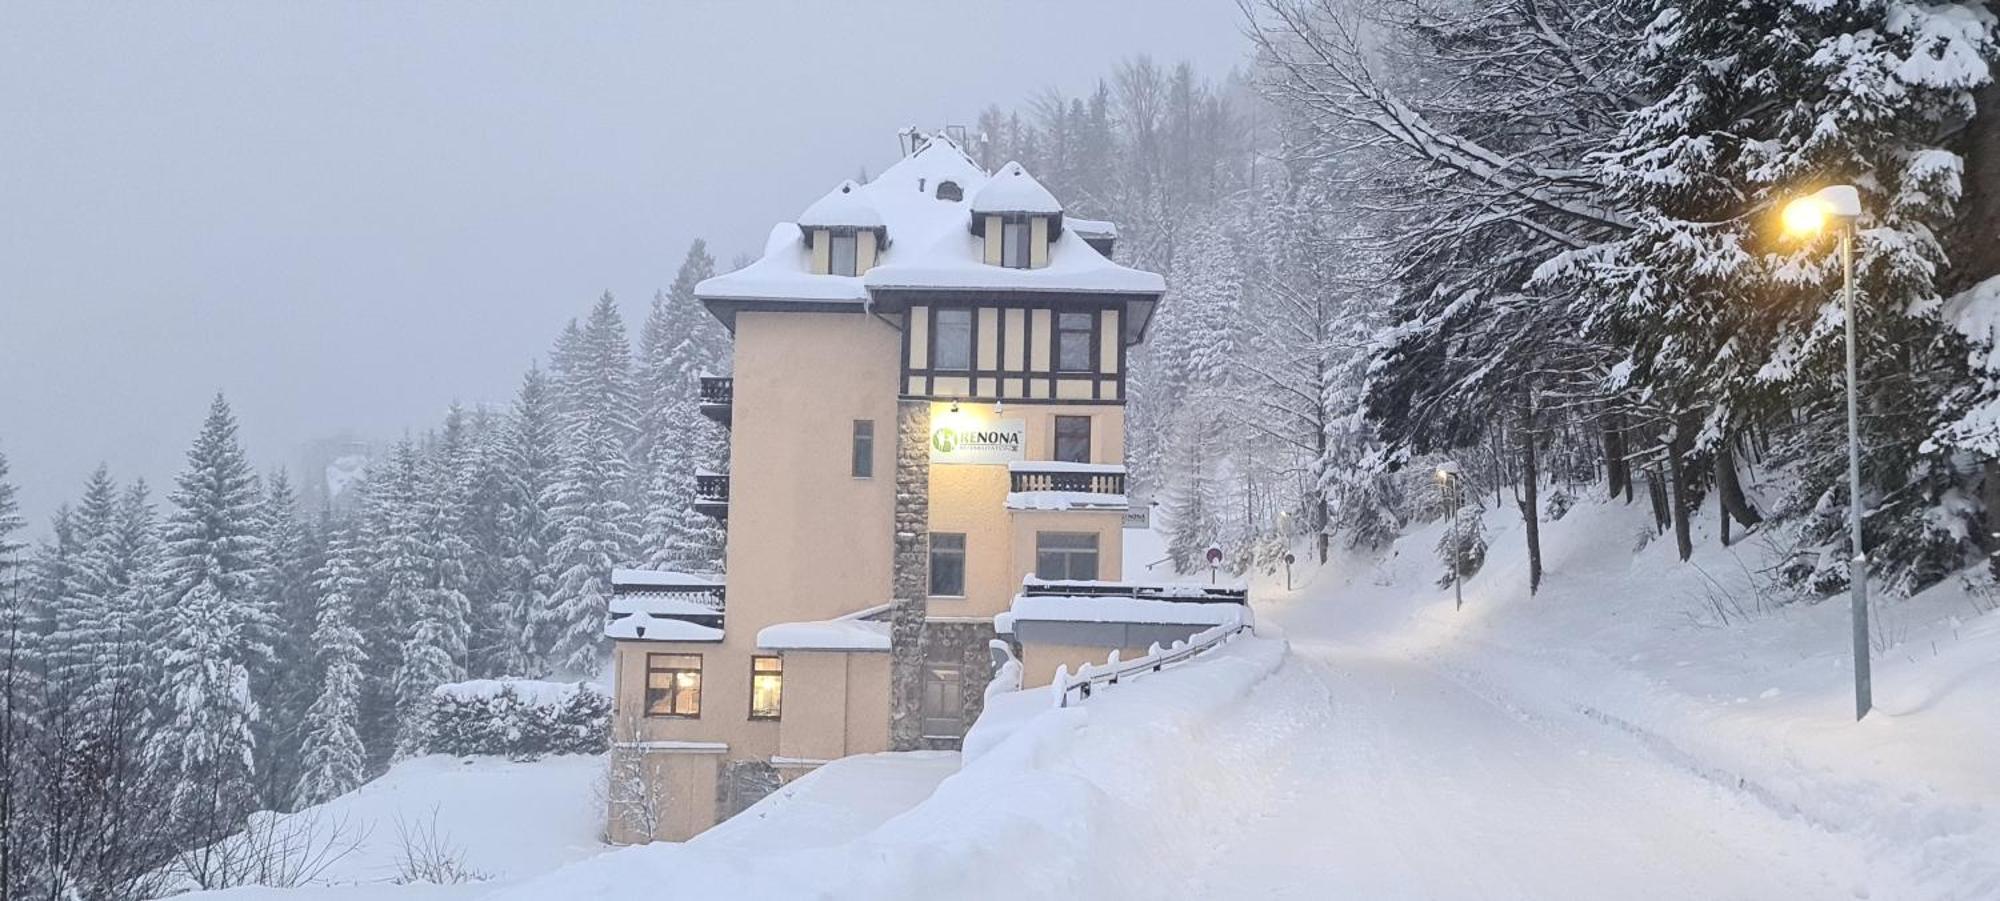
(518, 718)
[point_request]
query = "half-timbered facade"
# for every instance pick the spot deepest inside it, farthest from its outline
(926, 408)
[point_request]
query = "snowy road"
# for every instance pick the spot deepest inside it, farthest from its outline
(1405, 784)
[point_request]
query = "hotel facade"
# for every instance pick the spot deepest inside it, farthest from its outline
(926, 411)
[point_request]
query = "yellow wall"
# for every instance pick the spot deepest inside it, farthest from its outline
(1038, 241)
(999, 543)
(864, 252)
(822, 251)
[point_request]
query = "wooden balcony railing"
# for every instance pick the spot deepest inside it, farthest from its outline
(718, 396)
(711, 494)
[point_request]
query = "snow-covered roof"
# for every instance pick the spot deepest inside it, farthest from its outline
(1013, 190)
(1090, 229)
(663, 603)
(537, 692)
(857, 631)
(843, 207)
(663, 578)
(647, 627)
(932, 245)
(1065, 500)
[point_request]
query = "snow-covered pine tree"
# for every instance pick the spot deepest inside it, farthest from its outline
(205, 739)
(597, 381)
(531, 453)
(678, 344)
(1728, 326)
(283, 688)
(333, 759)
(595, 531)
(493, 638)
(11, 524)
(88, 593)
(444, 493)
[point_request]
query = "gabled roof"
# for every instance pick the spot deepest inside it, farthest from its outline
(1013, 190)
(843, 207)
(932, 246)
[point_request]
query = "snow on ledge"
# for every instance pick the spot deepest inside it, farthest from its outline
(1087, 609)
(1066, 500)
(663, 578)
(1110, 469)
(676, 747)
(852, 632)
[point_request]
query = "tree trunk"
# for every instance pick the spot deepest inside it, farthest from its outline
(1530, 507)
(1729, 488)
(1989, 490)
(1618, 470)
(1679, 447)
(1656, 492)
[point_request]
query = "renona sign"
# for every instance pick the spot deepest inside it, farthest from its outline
(964, 440)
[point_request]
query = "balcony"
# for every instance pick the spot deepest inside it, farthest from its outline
(711, 494)
(718, 394)
(1083, 478)
(1049, 485)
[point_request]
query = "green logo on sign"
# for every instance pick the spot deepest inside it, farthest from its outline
(945, 440)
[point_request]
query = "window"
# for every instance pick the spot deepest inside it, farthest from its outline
(1073, 439)
(767, 687)
(1014, 243)
(949, 190)
(1066, 555)
(943, 710)
(947, 564)
(953, 337)
(863, 466)
(842, 261)
(673, 685)
(1073, 341)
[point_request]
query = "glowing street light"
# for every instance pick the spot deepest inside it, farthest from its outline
(1447, 474)
(1840, 206)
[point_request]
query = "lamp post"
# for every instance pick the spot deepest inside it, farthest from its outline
(1807, 216)
(1448, 486)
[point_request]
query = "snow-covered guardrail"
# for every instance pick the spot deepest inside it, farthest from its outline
(1087, 678)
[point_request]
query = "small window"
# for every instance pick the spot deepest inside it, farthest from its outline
(1014, 244)
(767, 687)
(842, 262)
(949, 190)
(1073, 341)
(947, 564)
(1066, 555)
(953, 335)
(943, 708)
(864, 449)
(673, 685)
(1072, 439)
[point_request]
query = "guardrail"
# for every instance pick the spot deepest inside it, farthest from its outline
(1171, 591)
(1082, 685)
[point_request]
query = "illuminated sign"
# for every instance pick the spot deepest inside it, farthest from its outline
(963, 439)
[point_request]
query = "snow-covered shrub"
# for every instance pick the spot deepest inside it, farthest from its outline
(1559, 503)
(1471, 552)
(518, 718)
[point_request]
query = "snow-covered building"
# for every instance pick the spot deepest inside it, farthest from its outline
(926, 408)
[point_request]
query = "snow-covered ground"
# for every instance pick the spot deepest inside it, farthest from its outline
(1607, 732)
(1607, 737)
(503, 820)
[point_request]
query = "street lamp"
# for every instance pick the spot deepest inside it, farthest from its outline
(1448, 486)
(1809, 215)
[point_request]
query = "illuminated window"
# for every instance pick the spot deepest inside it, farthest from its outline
(947, 564)
(767, 687)
(673, 685)
(1066, 555)
(1014, 244)
(1073, 341)
(1072, 439)
(843, 259)
(953, 334)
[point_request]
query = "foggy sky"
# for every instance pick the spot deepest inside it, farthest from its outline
(350, 215)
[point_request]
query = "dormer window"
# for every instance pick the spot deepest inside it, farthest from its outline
(949, 190)
(1015, 242)
(844, 254)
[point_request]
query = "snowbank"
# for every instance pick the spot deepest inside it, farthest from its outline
(1080, 801)
(502, 820)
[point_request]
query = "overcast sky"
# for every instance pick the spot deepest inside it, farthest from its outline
(345, 216)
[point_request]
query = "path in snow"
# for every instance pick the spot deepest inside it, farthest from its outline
(1406, 785)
